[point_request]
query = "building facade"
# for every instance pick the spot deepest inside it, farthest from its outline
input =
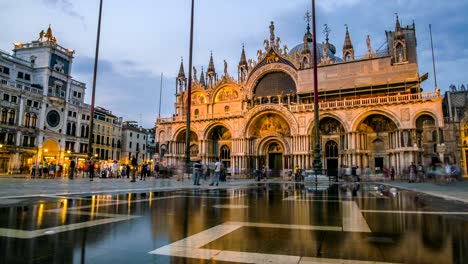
(134, 142)
(373, 111)
(43, 114)
(455, 106)
(107, 133)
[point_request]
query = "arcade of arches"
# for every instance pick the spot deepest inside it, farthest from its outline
(373, 111)
(377, 142)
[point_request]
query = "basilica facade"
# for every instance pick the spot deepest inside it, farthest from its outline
(373, 111)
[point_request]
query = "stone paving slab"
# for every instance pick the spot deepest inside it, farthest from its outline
(457, 191)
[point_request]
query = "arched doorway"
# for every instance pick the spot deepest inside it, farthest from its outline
(331, 156)
(426, 139)
(50, 151)
(218, 142)
(375, 134)
(180, 144)
(275, 158)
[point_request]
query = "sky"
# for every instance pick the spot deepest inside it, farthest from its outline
(141, 39)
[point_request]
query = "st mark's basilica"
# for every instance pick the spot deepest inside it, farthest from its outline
(373, 111)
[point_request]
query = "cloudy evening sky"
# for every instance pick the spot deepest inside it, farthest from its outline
(142, 38)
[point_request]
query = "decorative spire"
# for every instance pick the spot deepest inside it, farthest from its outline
(211, 68)
(181, 70)
(243, 67)
(347, 43)
(348, 49)
(308, 36)
(272, 34)
(202, 78)
(398, 31)
(243, 60)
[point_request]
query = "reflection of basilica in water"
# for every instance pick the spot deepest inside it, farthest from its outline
(372, 109)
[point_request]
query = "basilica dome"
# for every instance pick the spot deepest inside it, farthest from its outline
(331, 50)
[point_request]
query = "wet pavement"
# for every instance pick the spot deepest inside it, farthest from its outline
(239, 222)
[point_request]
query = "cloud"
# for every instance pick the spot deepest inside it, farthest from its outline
(132, 96)
(67, 7)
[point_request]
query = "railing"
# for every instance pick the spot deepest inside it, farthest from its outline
(336, 104)
(368, 101)
(182, 118)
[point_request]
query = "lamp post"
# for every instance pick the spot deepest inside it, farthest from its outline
(91, 121)
(189, 94)
(317, 148)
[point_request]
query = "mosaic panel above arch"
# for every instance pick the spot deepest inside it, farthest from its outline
(376, 123)
(269, 123)
(219, 132)
(253, 114)
(226, 93)
(181, 136)
(199, 99)
(330, 126)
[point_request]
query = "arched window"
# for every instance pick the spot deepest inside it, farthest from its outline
(226, 109)
(194, 150)
(27, 120)
(87, 131)
(33, 120)
(73, 129)
(118, 143)
(197, 112)
(225, 153)
(82, 131)
(68, 128)
(11, 118)
(400, 53)
(4, 116)
(98, 139)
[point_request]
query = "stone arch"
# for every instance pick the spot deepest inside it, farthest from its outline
(274, 83)
(310, 126)
(259, 110)
(428, 113)
(268, 123)
(51, 148)
(256, 76)
(211, 126)
(162, 136)
(359, 119)
(180, 133)
(262, 145)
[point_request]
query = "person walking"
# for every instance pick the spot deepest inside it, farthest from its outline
(412, 172)
(420, 173)
(217, 172)
(156, 169)
(71, 169)
(91, 169)
(197, 167)
(392, 173)
(134, 168)
(144, 171)
(296, 173)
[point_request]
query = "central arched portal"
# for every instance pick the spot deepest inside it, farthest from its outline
(274, 158)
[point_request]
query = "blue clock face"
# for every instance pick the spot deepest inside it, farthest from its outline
(53, 118)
